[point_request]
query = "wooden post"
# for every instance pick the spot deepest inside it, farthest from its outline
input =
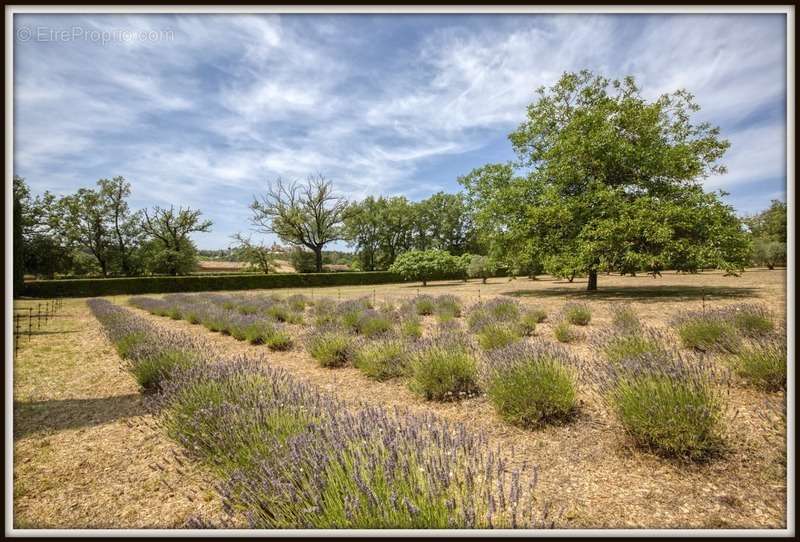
(16, 333)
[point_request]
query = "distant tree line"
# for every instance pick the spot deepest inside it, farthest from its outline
(94, 232)
(604, 181)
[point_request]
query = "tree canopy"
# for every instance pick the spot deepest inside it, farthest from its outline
(605, 180)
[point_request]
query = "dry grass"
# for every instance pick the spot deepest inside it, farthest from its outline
(86, 455)
(588, 470)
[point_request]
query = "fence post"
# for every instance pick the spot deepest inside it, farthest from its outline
(30, 322)
(38, 315)
(16, 333)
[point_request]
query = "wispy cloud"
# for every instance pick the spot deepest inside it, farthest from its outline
(218, 106)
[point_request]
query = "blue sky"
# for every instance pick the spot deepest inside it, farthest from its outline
(207, 109)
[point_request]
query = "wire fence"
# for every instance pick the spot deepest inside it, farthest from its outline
(29, 319)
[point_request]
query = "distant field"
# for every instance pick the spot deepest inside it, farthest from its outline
(213, 266)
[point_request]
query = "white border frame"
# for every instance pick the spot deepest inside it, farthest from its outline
(789, 11)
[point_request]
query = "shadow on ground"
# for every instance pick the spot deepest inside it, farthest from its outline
(642, 293)
(58, 415)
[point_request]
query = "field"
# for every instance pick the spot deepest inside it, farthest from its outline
(89, 451)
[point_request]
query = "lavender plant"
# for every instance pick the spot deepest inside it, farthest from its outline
(578, 314)
(671, 405)
(382, 359)
(531, 384)
(763, 364)
(443, 368)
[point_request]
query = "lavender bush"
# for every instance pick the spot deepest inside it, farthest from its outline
(531, 384)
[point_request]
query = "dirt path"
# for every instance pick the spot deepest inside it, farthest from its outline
(85, 453)
(587, 468)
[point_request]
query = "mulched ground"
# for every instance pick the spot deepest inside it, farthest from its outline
(588, 470)
(90, 465)
(86, 454)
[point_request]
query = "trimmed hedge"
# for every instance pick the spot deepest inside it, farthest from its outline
(196, 283)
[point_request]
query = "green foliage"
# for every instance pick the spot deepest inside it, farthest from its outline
(481, 267)
(154, 368)
(419, 265)
(708, 334)
(532, 386)
(331, 348)
(624, 346)
(625, 319)
(303, 261)
(763, 365)
(498, 335)
(770, 224)
(199, 283)
(372, 323)
(674, 417)
(443, 370)
(769, 253)
(609, 181)
(564, 332)
(424, 305)
(411, 327)
(383, 359)
(577, 313)
(753, 321)
(279, 340)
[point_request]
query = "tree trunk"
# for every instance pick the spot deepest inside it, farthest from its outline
(424, 282)
(592, 286)
(483, 280)
(770, 267)
(318, 258)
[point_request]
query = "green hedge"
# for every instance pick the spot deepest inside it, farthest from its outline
(197, 283)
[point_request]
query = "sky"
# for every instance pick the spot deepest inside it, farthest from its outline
(206, 110)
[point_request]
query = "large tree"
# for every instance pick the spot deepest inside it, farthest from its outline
(444, 222)
(171, 250)
(768, 229)
(85, 222)
(125, 226)
(606, 180)
(304, 215)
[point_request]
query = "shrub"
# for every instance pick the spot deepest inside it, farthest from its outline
(411, 326)
(382, 359)
(481, 267)
(531, 385)
(669, 405)
(751, 320)
(443, 369)
(503, 309)
(625, 319)
(291, 457)
(371, 323)
(620, 346)
(279, 340)
(448, 307)
(498, 335)
(425, 265)
(763, 365)
(496, 310)
(201, 283)
(708, 333)
(529, 320)
(331, 347)
(424, 305)
(577, 313)
(565, 333)
(297, 302)
(151, 370)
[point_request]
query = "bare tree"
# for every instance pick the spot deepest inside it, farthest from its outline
(307, 214)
